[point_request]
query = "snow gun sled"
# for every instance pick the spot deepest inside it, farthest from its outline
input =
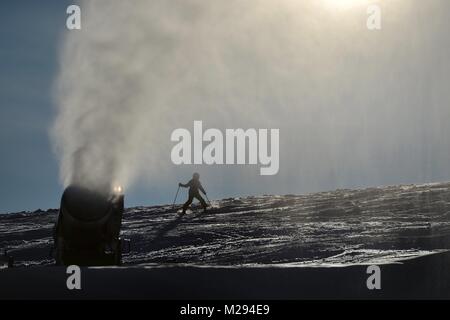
(87, 232)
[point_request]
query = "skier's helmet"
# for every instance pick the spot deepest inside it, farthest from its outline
(196, 176)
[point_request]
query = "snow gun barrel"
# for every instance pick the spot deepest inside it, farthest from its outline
(87, 231)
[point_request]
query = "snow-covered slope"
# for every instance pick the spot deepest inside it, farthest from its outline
(375, 225)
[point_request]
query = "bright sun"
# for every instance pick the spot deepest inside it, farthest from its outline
(345, 4)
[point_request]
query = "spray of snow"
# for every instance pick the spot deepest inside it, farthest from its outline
(137, 70)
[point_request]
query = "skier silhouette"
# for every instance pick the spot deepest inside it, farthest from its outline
(194, 186)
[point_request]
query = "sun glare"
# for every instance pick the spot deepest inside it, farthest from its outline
(345, 4)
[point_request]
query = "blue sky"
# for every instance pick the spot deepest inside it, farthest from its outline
(29, 33)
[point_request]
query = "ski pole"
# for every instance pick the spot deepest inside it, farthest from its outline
(208, 199)
(173, 205)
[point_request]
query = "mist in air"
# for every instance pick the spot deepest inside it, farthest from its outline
(354, 107)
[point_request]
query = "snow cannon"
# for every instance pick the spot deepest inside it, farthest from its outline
(87, 232)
